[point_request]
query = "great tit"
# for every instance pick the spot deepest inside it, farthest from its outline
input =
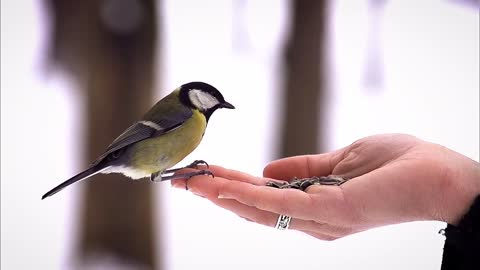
(169, 131)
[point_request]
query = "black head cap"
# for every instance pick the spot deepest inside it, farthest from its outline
(204, 97)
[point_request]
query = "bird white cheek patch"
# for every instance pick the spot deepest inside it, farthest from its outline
(202, 100)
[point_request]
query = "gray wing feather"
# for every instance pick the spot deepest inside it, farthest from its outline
(133, 134)
(140, 131)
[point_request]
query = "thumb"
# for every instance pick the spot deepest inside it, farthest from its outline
(303, 166)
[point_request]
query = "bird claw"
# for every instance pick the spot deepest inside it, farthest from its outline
(194, 165)
(208, 172)
(201, 172)
(170, 174)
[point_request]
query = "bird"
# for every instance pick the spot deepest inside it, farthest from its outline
(167, 133)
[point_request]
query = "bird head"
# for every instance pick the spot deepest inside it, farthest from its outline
(203, 97)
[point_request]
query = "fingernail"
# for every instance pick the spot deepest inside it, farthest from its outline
(178, 185)
(224, 196)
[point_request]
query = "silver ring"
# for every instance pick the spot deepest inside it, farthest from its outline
(283, 222)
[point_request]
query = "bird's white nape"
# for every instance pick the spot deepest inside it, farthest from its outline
(202, 100)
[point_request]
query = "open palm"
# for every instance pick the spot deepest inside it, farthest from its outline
(392, 178)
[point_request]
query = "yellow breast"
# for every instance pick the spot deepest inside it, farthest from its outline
(163, 152)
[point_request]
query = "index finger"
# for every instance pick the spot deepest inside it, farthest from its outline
(229, 174)
(238, 176)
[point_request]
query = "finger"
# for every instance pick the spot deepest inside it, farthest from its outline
(248, 212)
(370, 153)
(211, 188)
(256, 215)
(182, 183)
(321, 203)
(279, 201)
(219, 188)
(321, 236)
(219, 171)
(303, 166)
(206, 186)
(238, 176)
(291, 202)
(269, 219)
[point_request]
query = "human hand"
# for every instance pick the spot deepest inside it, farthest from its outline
(393, 178)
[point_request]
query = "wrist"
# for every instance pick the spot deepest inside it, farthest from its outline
(465, 187)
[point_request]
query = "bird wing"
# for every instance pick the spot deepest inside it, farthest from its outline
(167, 117)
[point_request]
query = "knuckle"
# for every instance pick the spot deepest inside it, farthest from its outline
(257, 199)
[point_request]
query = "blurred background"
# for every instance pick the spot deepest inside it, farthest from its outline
(305, 76)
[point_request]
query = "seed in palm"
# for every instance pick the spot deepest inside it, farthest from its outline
(304, 183)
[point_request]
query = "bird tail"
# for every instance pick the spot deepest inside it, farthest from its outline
(85, 174)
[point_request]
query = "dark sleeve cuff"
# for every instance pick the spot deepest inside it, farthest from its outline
(462, 245)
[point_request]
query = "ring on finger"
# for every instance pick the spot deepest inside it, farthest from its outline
(283, 222)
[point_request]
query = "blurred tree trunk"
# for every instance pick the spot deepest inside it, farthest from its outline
(304, 79)
(109, 47)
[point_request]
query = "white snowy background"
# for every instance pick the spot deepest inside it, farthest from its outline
(428, 86)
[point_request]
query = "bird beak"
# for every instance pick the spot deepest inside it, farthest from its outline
(226, 105)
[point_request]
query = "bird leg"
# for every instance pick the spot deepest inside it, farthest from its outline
(185, 175)
(193, 165)
(303, 183)
(168, 174)
(158, 176)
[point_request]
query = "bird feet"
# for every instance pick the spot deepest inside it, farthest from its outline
(194, 165)
(168, 174)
